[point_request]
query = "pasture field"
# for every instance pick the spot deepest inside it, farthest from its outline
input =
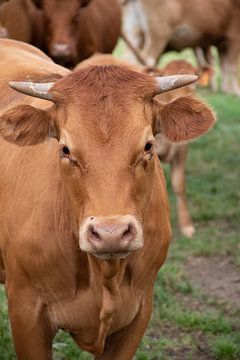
(197, 295)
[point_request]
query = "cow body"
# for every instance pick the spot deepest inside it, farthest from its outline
(156, 26)
(77, 201)
(77, 29)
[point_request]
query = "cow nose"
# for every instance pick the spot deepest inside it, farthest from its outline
(3, 32)
(59, 50)
(110, 233)
(111, 237)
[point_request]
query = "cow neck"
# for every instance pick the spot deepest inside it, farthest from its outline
(110, 270)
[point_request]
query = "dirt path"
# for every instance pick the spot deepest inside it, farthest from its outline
(216, 276)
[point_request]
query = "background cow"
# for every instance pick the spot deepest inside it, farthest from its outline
(154, 26)
(76, 29)
(78, 200)
(21, 20)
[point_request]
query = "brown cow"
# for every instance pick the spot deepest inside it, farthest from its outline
(85, 223)
(76, 29)
(168, 152)
(21, 21)
(154, 26)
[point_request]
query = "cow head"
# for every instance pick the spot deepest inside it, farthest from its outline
(105, 119)
(62, 26)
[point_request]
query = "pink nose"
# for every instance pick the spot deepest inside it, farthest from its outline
(120, 234)
(60, 50)
(3, 32)
(117, 236)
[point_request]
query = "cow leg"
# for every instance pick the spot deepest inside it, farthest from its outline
(211, 62)
(123, 344)
(230, 82)
(225, 84)
(31, 330)
(178, 185)
(230, 62)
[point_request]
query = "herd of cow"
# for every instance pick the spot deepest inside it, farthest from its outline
(155, 26)
(85, 224)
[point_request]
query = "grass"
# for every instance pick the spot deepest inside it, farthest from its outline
(187, 321)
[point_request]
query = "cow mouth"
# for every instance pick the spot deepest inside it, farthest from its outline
(111, 255)
(65, 61)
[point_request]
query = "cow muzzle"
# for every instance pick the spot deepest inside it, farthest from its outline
(111, 237)
(61, 52)
(3, 32)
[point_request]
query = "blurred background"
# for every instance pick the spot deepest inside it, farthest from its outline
(197, 296)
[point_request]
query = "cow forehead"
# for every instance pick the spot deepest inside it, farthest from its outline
(105, 103)
(99, 82)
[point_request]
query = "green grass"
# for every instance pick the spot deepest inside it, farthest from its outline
(227, 347)
(188, 322)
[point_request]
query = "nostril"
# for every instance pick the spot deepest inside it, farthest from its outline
(3, 33)
(128, 231)
(59, 49)
(94, 234)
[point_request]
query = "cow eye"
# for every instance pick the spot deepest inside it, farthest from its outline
(148, 147)
(65, 150)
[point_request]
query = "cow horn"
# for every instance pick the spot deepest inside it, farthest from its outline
(39, 90)
(167, 83)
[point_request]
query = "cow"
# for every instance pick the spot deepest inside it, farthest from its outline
(155, 26)
(21, 20)
(76, 29)
(85, 224)
(168, 152)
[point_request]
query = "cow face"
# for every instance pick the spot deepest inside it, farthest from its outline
(62, 27)
(105, 119)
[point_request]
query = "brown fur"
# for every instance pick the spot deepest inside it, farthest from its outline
(104, 115)
(195, 119)
(25, 125)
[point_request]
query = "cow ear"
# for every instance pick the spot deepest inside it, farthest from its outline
(26, 125)
(183, 119)
(85, 2)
